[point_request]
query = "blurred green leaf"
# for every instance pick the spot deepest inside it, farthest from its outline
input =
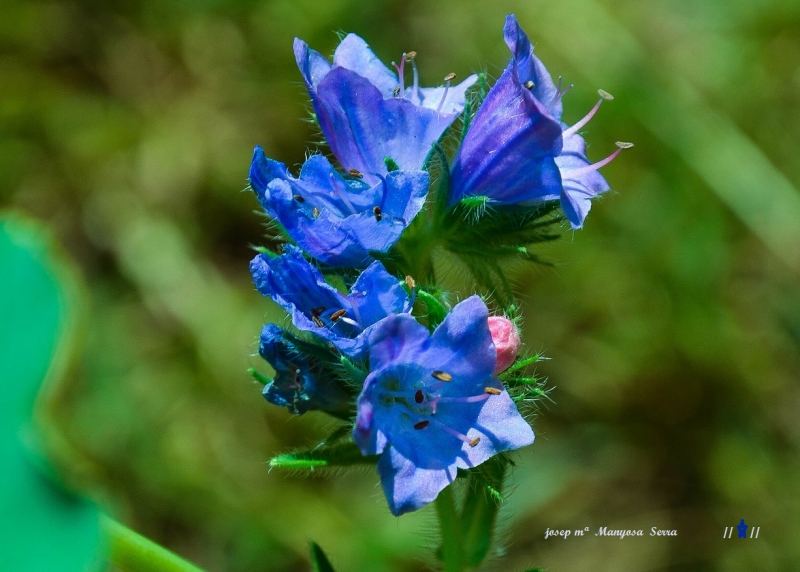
(42, 526)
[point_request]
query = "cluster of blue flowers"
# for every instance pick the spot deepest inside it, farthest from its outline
(417, 380)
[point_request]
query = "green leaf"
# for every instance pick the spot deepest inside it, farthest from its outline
(42, 526)
(481, 505)
(319, 560)
(339, 454)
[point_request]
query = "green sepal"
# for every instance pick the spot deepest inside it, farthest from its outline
(319, 561)
(391, 165)
(258, 376)
(265, 251)
(442, 193)
(481, 505)
(434, 309)
(339, 454)
(356, 374)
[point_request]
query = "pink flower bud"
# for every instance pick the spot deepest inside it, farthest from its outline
(506, 341)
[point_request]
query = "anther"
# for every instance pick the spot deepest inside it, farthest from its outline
(450, 77)
(422, 424)
(315, 212)
(475, 441)
(410, 55)
(396, 92)
(442, 375)
(355, 173)
(492, 390)
(316, 312)
(529, 85)
(605, 95)
(338, 314)
(623, 144)
(410, 283)
(299, 199)
(317, 322)
(377, 212)
(419, 397)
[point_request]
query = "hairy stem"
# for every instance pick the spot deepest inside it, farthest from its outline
(452, 554)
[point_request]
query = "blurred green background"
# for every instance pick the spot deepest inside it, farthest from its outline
(672, 319)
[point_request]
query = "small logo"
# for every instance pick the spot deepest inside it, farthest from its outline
(741, 530)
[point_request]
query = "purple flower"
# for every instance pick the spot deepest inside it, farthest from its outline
(367, 113)
(300, 382)
(431, 404)
(335, 219)
(518, 151)
(316, 306)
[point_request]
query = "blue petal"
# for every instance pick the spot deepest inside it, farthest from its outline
(262, 171)
(363, 129)
(378, 294)
(530, 68)
(407, 486)
(313, 65)
(295, 286)
(462, 344)
(397, 338)
(355, 55)
(508, 153)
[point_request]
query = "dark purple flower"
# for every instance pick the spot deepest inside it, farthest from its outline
(368, 114)
(316, 306)
(300, 383)
(431, 404)
(518, 151)
(335, 219)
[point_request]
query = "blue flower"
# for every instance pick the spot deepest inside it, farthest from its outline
(300, 382)
(368, 114)
(518, 151)
(316, 306)
(431, 404)
(338, 220)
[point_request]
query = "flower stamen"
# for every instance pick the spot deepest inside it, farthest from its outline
(448, 78)
(337, 314)
(559, 93)
(377, 212)
(595, 166)
(342, 195)
(421, 424)
(604, 96)
(400, 77)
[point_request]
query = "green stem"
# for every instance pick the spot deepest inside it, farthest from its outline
(132, 552)
(452, 555)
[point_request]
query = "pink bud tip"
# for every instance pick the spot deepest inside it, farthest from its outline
(506, 341)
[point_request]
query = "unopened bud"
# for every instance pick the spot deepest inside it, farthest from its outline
(506, 341)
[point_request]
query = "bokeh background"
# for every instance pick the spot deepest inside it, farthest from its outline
(672, 319)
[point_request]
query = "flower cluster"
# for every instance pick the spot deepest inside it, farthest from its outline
(418, 380)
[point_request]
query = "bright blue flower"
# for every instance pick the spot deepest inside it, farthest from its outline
(431, 404)
(367, 113)
(300, 383)
(338, 220)
(316, 306)
(517, 150)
